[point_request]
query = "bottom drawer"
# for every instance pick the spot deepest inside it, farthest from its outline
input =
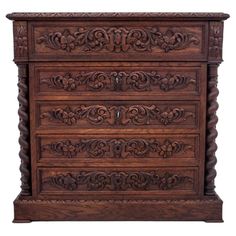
(117, 181)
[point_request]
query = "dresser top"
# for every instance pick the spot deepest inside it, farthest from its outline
(118, 15)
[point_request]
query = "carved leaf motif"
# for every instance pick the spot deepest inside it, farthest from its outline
(20, 39)
(95, 114)
(66, 82)
(140, 115)
(118, 39)
(116, 148)
(117, 181)
(119, 81)
(121, 115)
(216, 40)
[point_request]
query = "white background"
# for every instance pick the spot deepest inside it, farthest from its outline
(9, 161)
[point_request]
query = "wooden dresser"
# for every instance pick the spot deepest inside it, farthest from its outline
(118, 115)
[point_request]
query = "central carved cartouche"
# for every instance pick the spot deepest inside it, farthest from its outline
(119, 39)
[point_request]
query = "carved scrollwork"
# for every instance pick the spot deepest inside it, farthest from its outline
(117, 181)
(118, 115)
(118, 81)
(140, 115)
(119, 39)
(144, 81)
(66, 82)
(116, 148)
(94, 114)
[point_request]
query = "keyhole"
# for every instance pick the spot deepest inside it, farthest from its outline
(118, 114)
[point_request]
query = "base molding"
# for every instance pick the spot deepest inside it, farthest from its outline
(208, 209)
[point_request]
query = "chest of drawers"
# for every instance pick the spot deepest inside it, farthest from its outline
(117, 115)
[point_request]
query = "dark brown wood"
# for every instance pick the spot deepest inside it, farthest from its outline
(124, 182)
(129, 80)
(75, 147)
(106, 114)
(207, 209)
(23, 112)
(117, 115)
(20, 40)
(100, 41)
(212, 119)
(118, 15)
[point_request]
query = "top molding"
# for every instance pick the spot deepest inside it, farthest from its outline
(118, 15)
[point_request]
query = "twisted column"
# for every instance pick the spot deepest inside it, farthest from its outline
(24, 130)
(212, 120)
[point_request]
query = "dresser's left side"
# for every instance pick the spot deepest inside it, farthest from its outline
(20, 34)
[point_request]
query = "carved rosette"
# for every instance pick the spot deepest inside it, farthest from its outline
(116, 148)
(212, 119)
(24, 130)
(215, 41)
(117, 181)
(118, 81)
(119, 39)
(20, 40)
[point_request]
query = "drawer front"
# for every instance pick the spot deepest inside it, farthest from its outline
(70, 149)
(125, 181)
(117, 114)
(131, 79)
(118, 40)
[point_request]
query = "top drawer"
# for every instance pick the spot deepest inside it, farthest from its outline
(119, 40)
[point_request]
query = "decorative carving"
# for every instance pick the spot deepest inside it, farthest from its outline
(143, 115)
(29, 15)
(66, 82)
(24, 130)
(216, 41)
(116, 148)
(94, 114)
(123, 201)
(143, 81)
(212, 120)
(119, 81)
(20, 39)
(118, 39)
(117, 180)
(118, 115)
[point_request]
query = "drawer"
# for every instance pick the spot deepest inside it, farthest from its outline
(118, 149)
(124, 181)
(117, 114)
(118, 40)
(118, 79)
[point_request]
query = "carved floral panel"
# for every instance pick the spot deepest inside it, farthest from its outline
(119, 115)
(117, 148)
(117, 180)
(89, 39)
(20, 40)
(119, 81)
